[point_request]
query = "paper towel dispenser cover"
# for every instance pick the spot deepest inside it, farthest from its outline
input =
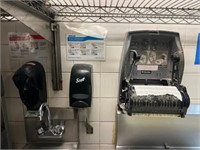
(81, 86)
(31, 82)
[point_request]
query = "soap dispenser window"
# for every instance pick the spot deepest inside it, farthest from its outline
(31, 82)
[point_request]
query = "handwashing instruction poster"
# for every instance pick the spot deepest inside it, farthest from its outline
(23, 45)
(83, 47)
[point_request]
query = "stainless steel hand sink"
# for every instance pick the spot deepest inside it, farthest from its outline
(66, 146)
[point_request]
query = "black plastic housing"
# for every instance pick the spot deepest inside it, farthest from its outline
(152, 58)
(81, 86)
(30, 80)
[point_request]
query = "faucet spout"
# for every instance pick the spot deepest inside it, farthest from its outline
(41, 113)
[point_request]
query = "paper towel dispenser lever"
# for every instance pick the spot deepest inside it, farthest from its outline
(81, 86)
(31, 82)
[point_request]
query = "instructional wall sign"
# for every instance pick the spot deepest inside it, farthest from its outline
(82, 47)
(24, 45)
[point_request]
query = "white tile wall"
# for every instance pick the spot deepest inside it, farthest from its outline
(192, 82)
(89, 138)
(58, 102)
(105, 80)
(96, 84)
(189, 61)
(66, 65)
(108, 109)
(134, 27)
(112, 62)
(191, 34)
(109, 84)
(14, 109)
(107, 132)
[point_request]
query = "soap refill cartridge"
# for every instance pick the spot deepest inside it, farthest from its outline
(30, 80)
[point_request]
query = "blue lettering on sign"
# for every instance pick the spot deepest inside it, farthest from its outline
(74, 38)
(197, 58)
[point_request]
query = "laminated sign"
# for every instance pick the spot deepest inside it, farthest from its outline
(197, 58)
(24, 45)
(83, 47)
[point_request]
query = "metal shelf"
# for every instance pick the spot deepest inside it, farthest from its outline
(4, 16)
(127, 11)
(119, 11)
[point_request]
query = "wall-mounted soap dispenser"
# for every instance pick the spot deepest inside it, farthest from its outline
(81, 90)
(81, 86)
(31, 82)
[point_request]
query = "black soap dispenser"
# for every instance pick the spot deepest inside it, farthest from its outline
(30, 80)
(81, 86)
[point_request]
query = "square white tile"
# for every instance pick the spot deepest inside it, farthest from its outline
(109, 84)
(89, 138)
(192, 34)
(92, 113)
(17, 132)
(137, 27)
(66, 65)
(96, 85)
(14, 109)
(108, 109)
(58, 102)
(61, 93)
(189, 55)
(192, 83)
(107, 132)
(112, 62)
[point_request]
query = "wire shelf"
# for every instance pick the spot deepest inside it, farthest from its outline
(119, 11)
(127, 11)
(4, 16)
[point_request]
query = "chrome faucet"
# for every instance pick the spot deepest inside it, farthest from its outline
(41, 112)
(52, 131)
